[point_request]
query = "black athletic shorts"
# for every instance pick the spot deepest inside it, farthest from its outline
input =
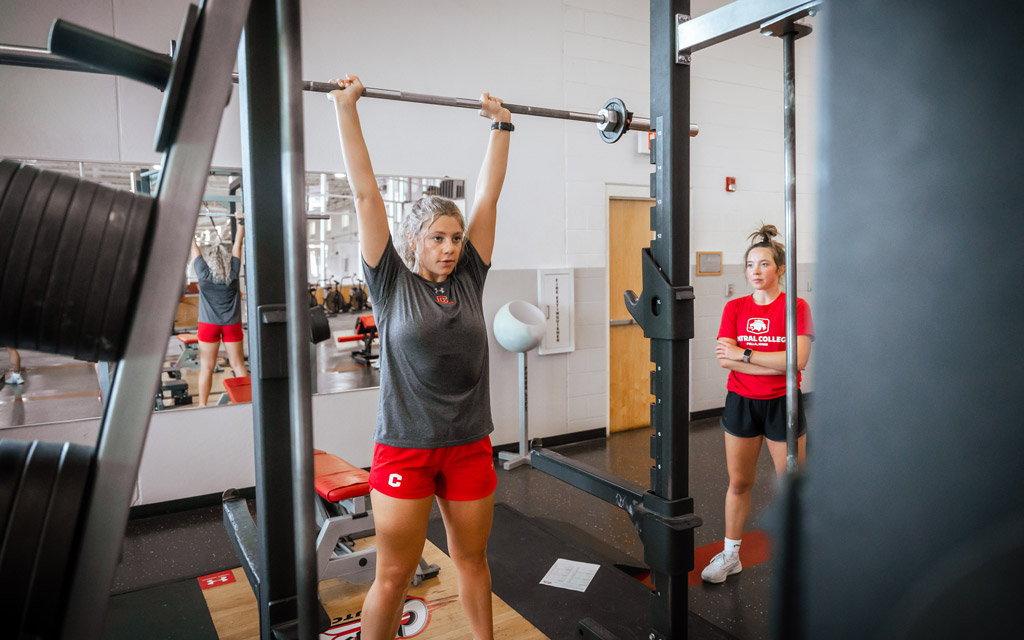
(747, 418)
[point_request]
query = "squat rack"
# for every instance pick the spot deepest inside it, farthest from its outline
(663, 516)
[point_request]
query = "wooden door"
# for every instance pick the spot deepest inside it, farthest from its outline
(629, 352)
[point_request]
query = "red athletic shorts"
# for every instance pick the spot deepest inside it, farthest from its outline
(213, 332)
(462, 472)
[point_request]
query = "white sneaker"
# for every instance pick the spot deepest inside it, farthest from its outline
(14, 378)
(721, 566)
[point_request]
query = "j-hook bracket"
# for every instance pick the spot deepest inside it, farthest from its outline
(664, 311)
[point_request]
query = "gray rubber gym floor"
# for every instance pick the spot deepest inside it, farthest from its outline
(165, 548)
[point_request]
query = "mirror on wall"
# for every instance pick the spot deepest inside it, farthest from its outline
(58, 388)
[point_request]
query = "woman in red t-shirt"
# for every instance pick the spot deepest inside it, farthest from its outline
(752, 345)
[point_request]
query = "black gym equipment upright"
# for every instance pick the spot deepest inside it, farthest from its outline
(64, 508)
(663, 516)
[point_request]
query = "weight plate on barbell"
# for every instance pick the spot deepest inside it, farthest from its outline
(10, 213)
(89, 340)
(124, 292)
(46, 599)
(19, 258)
(28, 513)
(63, 264)
(12, 461)
(42, 259)
(621, 126)
(81, 276)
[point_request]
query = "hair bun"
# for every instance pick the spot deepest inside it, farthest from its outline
(764, 234)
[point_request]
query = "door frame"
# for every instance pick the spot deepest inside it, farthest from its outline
(617, 192)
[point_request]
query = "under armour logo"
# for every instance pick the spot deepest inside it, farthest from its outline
(395, 480)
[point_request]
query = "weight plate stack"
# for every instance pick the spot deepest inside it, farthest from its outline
(7, 170)
(19, 257)
(63, 266)
(90, 338)
(127, 278)
(42, 258)
(10, 214)
(81, 275)
(50, 581)
(24, 529)
(12, 461)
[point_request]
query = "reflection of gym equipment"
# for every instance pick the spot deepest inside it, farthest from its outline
(189, 356)
(366, 330)
(175, 386)
(357, 300)
(519, 327)
(334, 301)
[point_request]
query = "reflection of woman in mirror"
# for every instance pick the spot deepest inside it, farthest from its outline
(220, 313)
(433, 424)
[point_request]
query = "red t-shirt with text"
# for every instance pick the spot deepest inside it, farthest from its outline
(761, 328)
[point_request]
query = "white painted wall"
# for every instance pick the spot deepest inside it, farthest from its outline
(194, 452)
(570, 54)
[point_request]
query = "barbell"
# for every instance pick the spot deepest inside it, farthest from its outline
(94, 52)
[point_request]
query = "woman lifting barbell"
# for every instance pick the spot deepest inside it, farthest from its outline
(433, 425)
(220, 314)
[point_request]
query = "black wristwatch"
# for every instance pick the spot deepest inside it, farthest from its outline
(503, 126)
(746, 354)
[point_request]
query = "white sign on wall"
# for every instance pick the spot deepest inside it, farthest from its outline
(555, 299)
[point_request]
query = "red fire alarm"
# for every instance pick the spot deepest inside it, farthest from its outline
(730, 184)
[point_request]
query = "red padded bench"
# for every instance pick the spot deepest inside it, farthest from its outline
(337, 479)
(239, 389)
(188, 338)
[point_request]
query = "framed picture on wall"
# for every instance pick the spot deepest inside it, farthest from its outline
(709, 263)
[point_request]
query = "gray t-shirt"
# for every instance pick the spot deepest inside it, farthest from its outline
(218, 303)
(434, 384)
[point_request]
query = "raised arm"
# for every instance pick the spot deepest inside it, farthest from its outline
(370, 211)
(194, 252)
(236, 247)
(490, 180)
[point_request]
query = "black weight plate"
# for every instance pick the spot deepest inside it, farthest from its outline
(18, 554)
(319, 327)
(19, 259)
(7, 170)
(43, 256)
(10, 213)
(12, 460)
(63, 264)
(99, 293)
(44, 610)
(81, 276)
(127, 275)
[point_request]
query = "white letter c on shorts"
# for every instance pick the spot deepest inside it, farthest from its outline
(395, 480)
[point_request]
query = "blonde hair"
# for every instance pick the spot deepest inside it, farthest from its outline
(218, 258)
(764, 237)
(414, 225)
